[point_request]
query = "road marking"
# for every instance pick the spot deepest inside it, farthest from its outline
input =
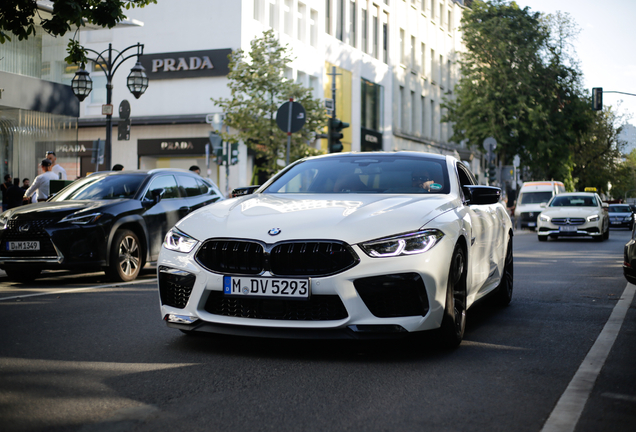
(70, 290)
(568, 410)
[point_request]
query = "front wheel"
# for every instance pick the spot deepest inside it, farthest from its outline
(503, 293)
(125, 257)
(451, 332)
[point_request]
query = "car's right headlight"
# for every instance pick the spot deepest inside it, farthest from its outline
(544, 218)
(4, 219)
(179, 241)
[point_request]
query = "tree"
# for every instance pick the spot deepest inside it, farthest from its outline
(521, 85)
(258, 88)
(20, 17)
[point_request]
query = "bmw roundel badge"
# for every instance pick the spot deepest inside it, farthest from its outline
(274, 231)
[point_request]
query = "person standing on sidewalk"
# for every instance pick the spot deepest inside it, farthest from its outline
(4, 187)
(14, 194)
(41, 184)
(55, 167)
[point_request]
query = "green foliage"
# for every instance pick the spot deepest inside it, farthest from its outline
(258, 88)
(521, 84)
(19, 17)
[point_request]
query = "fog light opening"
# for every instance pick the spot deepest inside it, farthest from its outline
(180, 319)
(378, 328)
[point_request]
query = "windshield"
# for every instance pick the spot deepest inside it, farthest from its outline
(620, 209)
(365, 174)
(574, 201)
(102, 188)
(535, 197)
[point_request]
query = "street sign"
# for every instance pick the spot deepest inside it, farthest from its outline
(490, 144)
(124, 110)
(107, 109)
(516, 161)
(295, 122)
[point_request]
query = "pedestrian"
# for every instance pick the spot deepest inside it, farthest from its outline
(195, 169)
(4, 187)
(14, 195)
(55, 167)
(25, 183)
(118, 167)
(41, 184)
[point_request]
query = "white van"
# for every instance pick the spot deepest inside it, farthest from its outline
(531, 196)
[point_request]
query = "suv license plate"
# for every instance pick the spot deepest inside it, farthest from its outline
(567, 229)
(23, 245)
(266, 287)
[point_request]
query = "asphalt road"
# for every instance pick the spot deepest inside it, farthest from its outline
(77, 354)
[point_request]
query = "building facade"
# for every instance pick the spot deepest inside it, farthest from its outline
(394, 63)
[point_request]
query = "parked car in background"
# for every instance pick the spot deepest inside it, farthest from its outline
(115, 221)
(531, 196)
(621, 216)
(629, 259)
(346, 245)
(574, 214)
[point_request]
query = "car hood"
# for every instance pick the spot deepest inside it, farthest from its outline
(352, 218)
(556, 212)
(60, 209)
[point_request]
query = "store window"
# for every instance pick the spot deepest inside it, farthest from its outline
(371, 105)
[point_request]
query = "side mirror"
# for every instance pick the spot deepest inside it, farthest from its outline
(482, 195)
(156, 197)
(245, 190)
(543, 205)
(605, 205)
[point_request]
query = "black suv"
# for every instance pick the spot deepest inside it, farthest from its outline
(113, 220)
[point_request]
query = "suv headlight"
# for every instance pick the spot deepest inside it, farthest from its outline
(179, 241)
(81, 219)
(592, 218)
(403, 244)
(4, 219)
(544, 218)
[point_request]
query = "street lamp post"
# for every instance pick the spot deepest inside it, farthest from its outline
(137, 82)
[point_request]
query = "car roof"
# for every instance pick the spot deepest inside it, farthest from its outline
(384, 154)
(146, 172)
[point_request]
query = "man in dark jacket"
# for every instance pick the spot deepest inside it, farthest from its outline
(14, 194)
(4, 187)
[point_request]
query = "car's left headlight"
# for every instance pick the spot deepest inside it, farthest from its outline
(592, 218)
(403, 244)
(82, 219)
(179, 241)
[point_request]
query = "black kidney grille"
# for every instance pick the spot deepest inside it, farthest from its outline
(175, 287)
(231, 256)
(393, 295)
(316, 308)
(310, 258)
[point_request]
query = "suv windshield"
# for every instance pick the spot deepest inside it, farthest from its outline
(574, 201)
(535, 197)
(102, 188)
(364, 174)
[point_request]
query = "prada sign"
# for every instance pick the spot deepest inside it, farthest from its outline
(172, 146)
(188, 64)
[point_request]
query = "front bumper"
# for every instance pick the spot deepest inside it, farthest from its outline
(588, 229)
(195, 300)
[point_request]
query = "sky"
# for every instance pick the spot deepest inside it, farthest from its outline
(604, 46)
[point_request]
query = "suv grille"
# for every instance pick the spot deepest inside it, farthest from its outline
(316, 308)
(35, 232)
(568, 221)
(311, 258)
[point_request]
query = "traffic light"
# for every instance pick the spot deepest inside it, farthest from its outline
(217, 147)
(492, 172)
(597, 98)
(335, 134)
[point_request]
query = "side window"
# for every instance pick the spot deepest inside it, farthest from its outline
(189, 186)
(203, 187)
(465, 178)
(167, 183)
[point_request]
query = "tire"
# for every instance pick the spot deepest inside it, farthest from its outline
(22, 274)
(606, 234)
(542, 238)
(451, 332)
(126, 257)
(503, 293)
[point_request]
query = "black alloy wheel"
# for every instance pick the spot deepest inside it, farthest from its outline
(125, 256)
(503, 293)
(451, 332)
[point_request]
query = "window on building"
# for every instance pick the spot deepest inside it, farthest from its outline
(328, 17)
(301, 17)
(432, 119)
(441, 14)
(401, 110)
(432, 70)
(402, 48)
(371, 95)
(301, 78)
(440, 73)
(98, 95)
(258, 10)
(288, 24)
(352, 23)
(340, 16)
(375, 34)
(449, 22)
(314, 84)
(273, 14)
(448, 75)
(413, 113)
(423, 59)
(364, 24)
(413, 56)
(313, 28)
(423, 116)
(385, 38)
(433, 9)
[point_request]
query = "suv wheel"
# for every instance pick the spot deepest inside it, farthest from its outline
(125, 256)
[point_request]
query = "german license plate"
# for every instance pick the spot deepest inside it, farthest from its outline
(616, 222)
(531, 224)
(567, 229)
(23, 245)
(266, 287)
